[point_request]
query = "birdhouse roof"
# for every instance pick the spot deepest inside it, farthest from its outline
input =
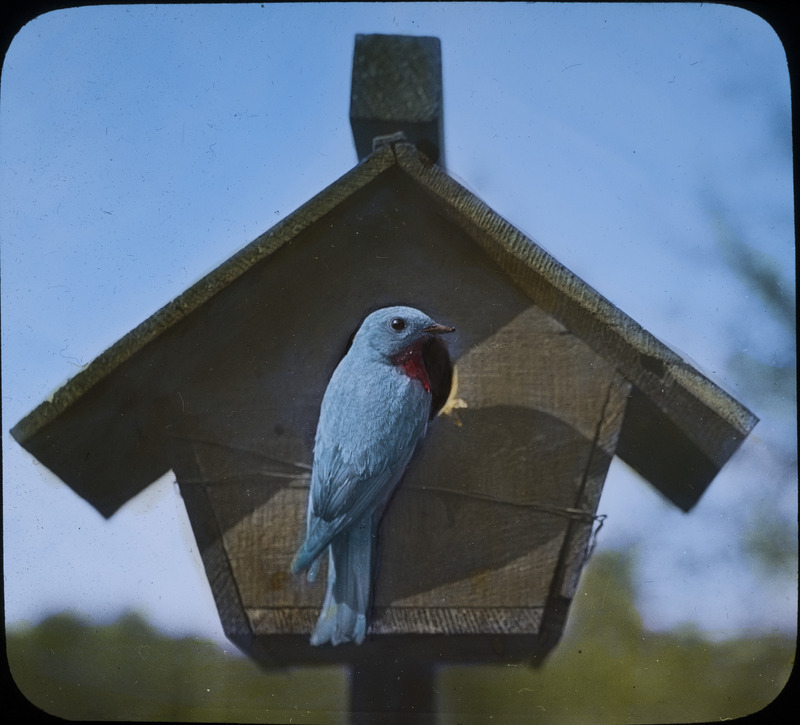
(679, 427)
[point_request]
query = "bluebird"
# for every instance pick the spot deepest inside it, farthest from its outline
(373, 414)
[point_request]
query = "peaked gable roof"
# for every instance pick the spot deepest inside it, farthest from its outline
(679, 428)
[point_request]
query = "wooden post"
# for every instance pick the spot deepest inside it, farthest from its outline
(482, 546)
(386, 691)
(397, 88)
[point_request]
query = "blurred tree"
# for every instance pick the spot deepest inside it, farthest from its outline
(128, 671)
(769, 529)
(609, 668)
(760, 272)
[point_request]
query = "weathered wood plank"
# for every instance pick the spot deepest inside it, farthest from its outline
(486, 536)
(208, 536)
(397, 87)
(109, 369)
(706, 417)
(473, 536)
(578, 539)
(700, 418)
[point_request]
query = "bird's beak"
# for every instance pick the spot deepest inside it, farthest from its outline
(437, 329)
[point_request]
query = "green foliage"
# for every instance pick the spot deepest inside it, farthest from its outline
(769, 530)
(129, 671)
(761, 272)
(608, 669)
(770, 539)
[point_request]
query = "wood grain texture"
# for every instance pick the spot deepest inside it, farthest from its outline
(107, 406)
(704, 418)
(493, 515)
(397, 87)
(71, 425)
(488, 532)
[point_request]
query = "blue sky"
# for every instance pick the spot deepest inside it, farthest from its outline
(141, 146)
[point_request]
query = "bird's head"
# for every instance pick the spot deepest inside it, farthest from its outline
(392, 330)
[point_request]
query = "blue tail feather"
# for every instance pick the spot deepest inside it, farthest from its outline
(344, 612)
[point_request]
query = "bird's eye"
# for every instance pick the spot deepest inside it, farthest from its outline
(398, 324)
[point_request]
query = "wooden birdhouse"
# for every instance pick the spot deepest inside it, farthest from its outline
(482, 545)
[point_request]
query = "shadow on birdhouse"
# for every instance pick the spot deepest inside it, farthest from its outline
(485, 538)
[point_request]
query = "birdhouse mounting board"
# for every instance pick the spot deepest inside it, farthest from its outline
(485, 538)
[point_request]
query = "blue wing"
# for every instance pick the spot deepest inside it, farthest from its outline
(366, 436)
